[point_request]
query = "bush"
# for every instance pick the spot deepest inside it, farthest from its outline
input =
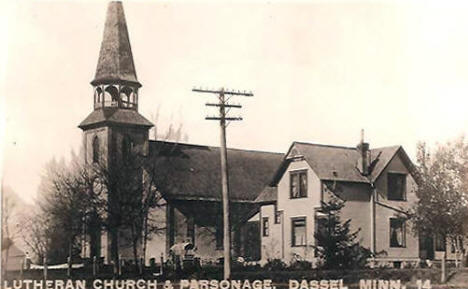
(275, 265)
(301, 266)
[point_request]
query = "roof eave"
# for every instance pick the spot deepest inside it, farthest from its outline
(113, 123)
(115, 80)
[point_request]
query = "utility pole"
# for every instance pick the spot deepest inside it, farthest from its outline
(223, 104)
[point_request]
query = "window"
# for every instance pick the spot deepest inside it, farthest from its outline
(127, 97)
(111, 96)
(191, 230)
(298, 228)
(265, 227)
(95, 149)
(321, 228)
(278, 216)
(396, 186)
(439, 243)
(298, 184)
(397, 233)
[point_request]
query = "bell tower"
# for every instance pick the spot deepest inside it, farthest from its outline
(114, 128)
(115, 118)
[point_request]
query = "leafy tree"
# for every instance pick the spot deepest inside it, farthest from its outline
(336, 244)
(442, 192)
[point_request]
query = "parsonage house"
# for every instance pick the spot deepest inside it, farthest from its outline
(377, 186)
(275, 198)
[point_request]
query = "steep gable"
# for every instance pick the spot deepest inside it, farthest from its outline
(333, 163)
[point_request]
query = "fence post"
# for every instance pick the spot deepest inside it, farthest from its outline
(162, 264)
(45, 267)
(442, 265)
(141, 265)
(69, 267)
(94, 266)
(120, 265)
(21, 269)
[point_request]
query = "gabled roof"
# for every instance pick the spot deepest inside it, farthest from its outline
(333, 163)
(115, 115)
(268, 195)
(337, 163)
(384, 155)
(115, 62)
(192, 172)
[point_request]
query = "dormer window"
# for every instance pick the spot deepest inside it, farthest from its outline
(396, 186)
(298, 184)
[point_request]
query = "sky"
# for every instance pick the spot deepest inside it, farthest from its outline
(320, 72)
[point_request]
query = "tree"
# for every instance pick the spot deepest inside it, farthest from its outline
(336, 244)
(8, 232)
(37, 234)
(442, 207)
(129, 189)
(70, 204)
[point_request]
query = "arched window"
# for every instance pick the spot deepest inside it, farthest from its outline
(95, 149)
(98, 94)
(125, 94)
(111, 96)
(97, 97)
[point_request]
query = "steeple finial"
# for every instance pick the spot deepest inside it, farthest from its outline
(115, 64)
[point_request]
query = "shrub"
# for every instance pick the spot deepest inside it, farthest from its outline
(300, 266)
(275, 265)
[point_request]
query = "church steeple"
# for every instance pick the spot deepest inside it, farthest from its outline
(115, 64)
(115, 82)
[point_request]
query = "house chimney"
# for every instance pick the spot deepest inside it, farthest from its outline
(364, 156)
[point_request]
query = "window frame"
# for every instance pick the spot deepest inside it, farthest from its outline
(318, 222)
(293, 231)
(301, 194)
(278, 216)
(389, 192)
(96, 149)
(265, 227)
(403, 232)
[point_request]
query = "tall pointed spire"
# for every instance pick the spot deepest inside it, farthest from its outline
(115, 64)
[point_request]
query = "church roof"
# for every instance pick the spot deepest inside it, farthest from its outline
(193, 172)
(115, 62)
(114, 115)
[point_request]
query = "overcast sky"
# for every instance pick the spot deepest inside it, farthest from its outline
(320, 72)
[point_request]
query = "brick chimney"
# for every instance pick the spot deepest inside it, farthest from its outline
(364, 156)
